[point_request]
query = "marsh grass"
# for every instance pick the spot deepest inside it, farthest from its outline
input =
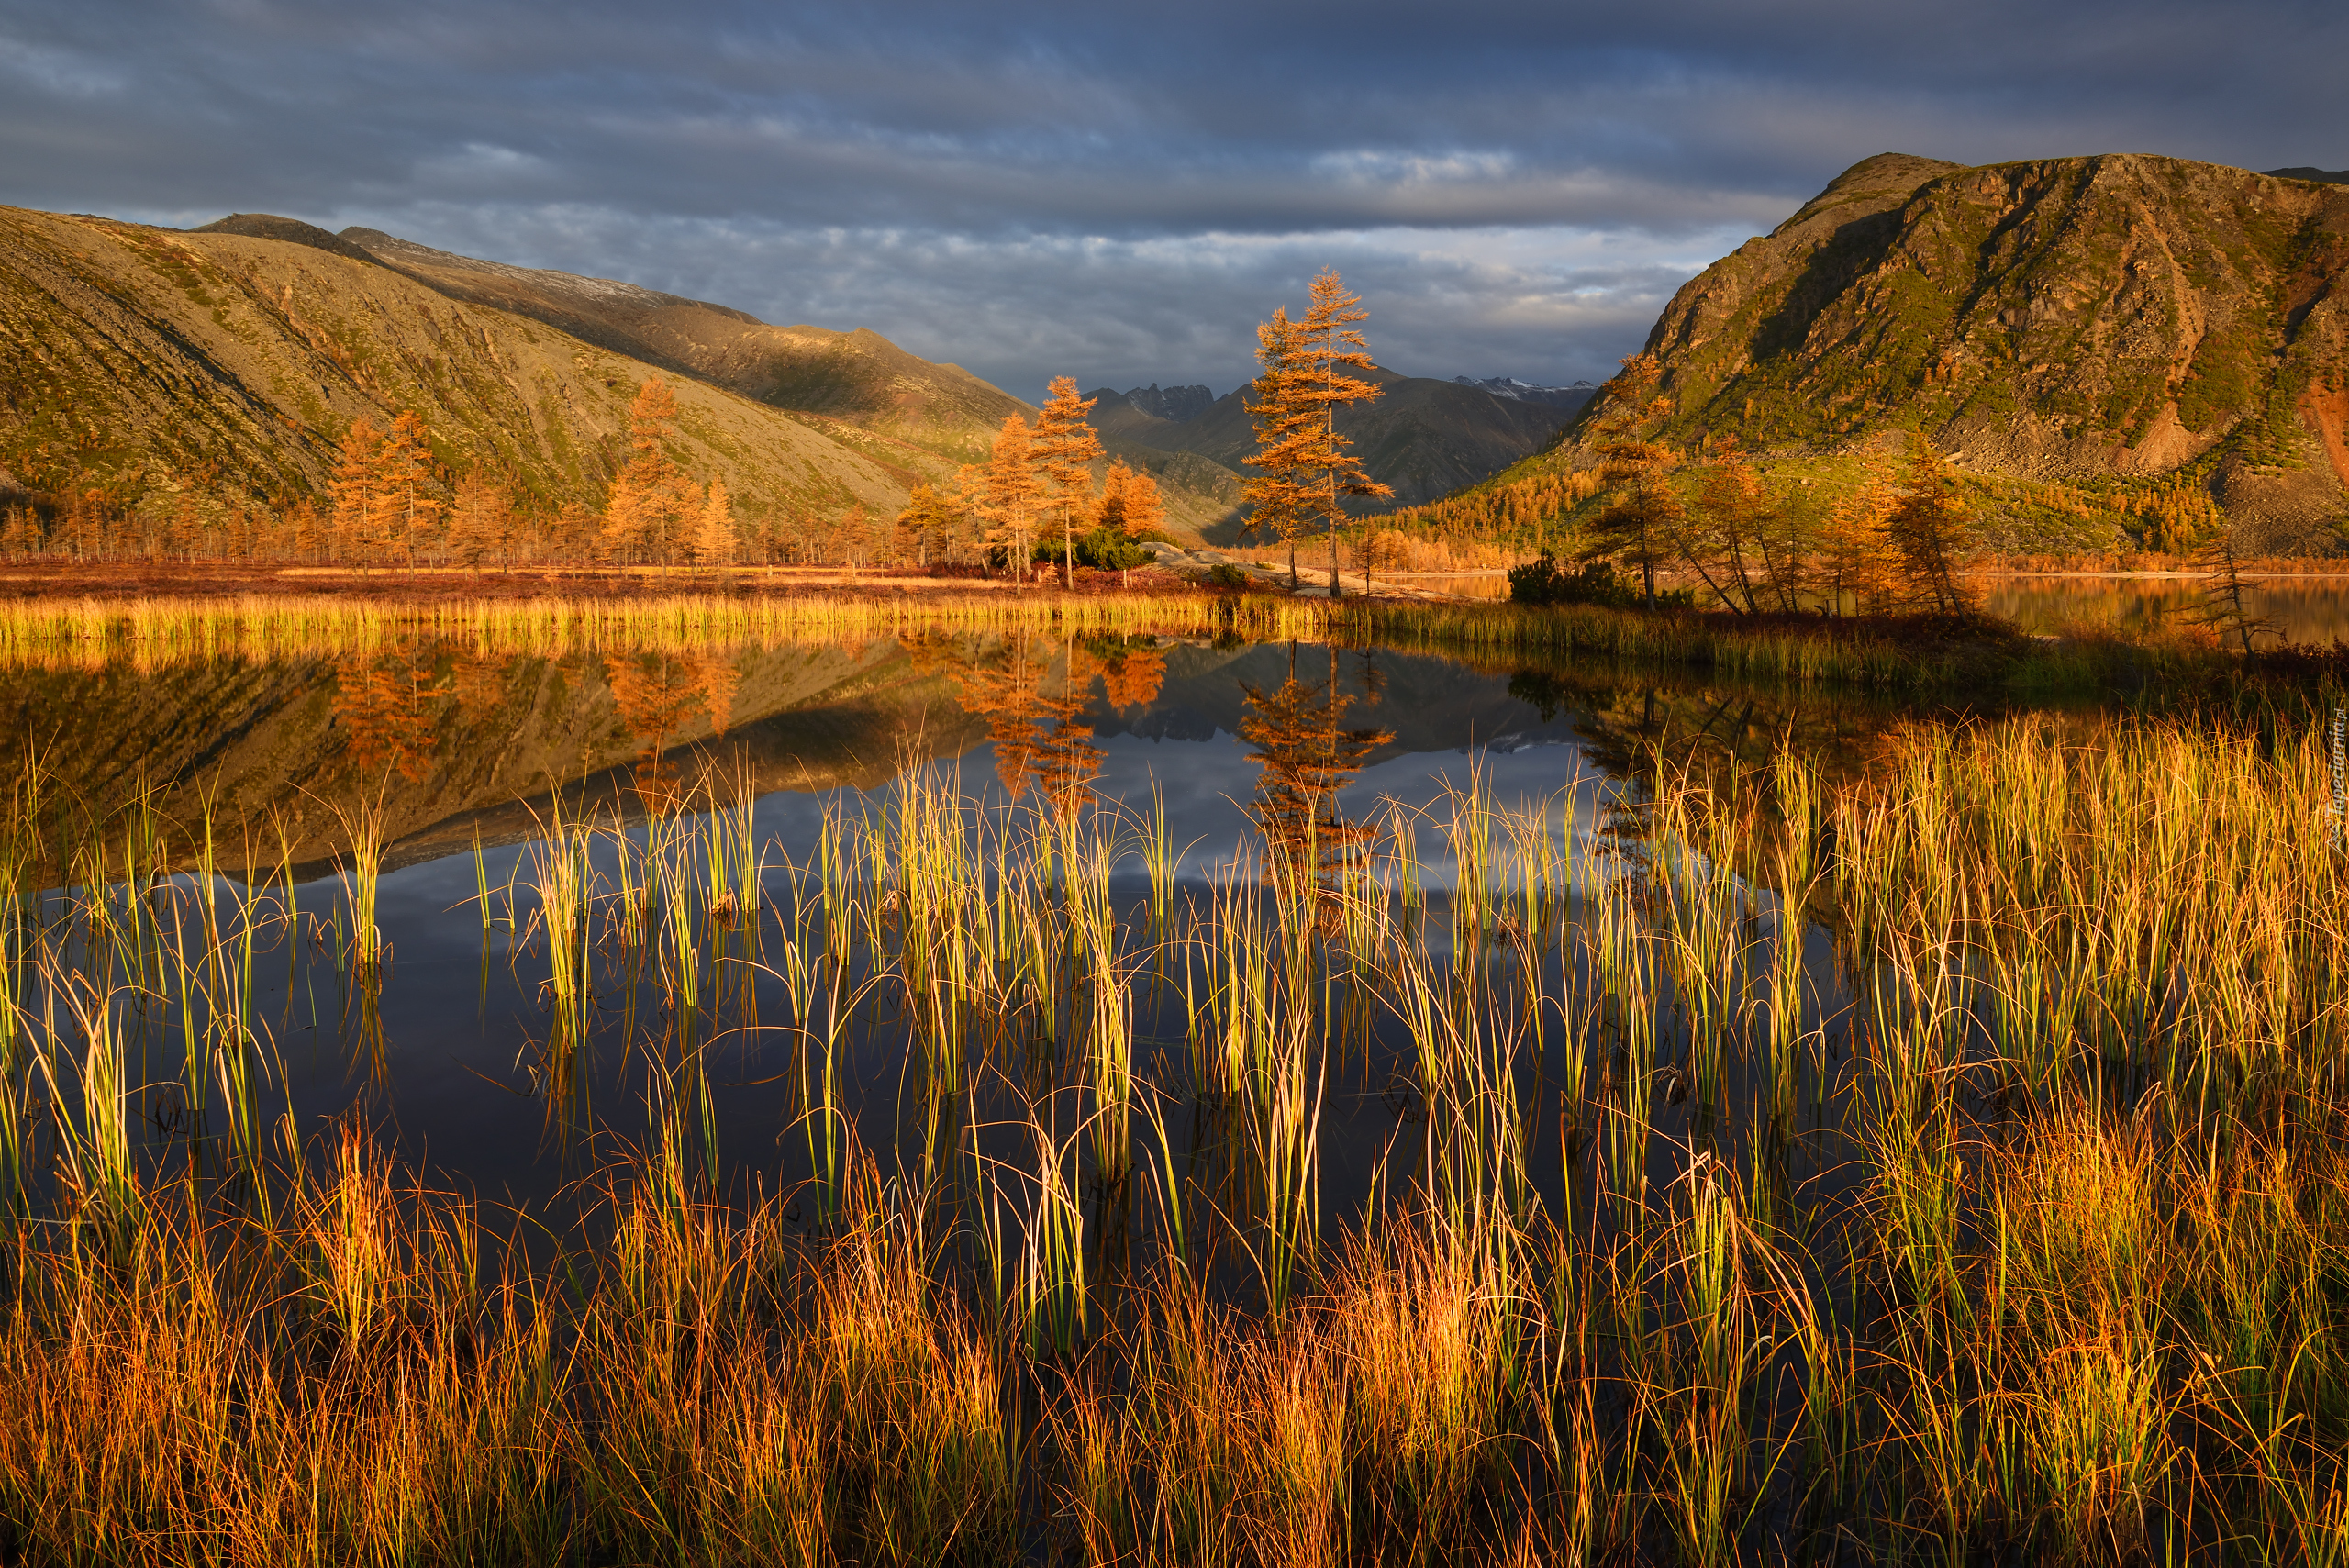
(2015, 1229)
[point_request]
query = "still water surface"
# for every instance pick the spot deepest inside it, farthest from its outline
(468, 760)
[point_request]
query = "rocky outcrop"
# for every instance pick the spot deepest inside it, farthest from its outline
(2070, 318)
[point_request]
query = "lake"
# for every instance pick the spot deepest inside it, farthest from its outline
(988, 1093)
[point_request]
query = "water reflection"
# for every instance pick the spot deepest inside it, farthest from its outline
(1308, 760)
(2301, 610)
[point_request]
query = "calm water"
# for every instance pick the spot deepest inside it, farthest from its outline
(467, 759)
(2302, 611)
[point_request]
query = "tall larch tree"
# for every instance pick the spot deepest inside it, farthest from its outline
(1130, 504)
(404, 491)
(480, 523)
(1007, 493)
(1331, 344)
(1063, 449)
(1643, 521)
(651, 500)
(358, 478)
(1930, 530)
(714, 538)
(928, 527)
(1279, 498)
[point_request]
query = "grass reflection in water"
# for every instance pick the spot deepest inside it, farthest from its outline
(1899, 1166)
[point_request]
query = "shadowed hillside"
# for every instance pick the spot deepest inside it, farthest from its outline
(1425, 438)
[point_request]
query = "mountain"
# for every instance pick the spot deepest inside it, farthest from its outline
(152, 363)
(445, 746)
(1176, 402)
(1567, 397)
(230, 359)
(2102, 320)
(2321, 176)
(859, 378)
(1424, 437)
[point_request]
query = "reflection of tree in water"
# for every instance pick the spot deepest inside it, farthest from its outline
(1132, 677)
(656, 696)
(1306, 759)
(1702, 728)
(384, 707)
(1029, 694)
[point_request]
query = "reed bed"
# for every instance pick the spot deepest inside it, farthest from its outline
(1947, 1166)
(163, 632)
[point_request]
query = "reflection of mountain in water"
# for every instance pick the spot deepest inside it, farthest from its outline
(458, 743)
(443, 735)
(1425, 704)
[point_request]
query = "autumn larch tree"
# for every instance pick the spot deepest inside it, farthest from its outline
(357, 479)
(1851, 559)
(928, 529)
(1643, 524)
(1130, 505)
(482, 521)
(1725, 545)
(1063, 449)
(409, 509)
(1279, 500)
(651, 498)
(715, 540)
(1007, 494)
(1929, 527)
(1331, 343)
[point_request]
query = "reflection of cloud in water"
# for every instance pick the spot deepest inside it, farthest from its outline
(1207, 780)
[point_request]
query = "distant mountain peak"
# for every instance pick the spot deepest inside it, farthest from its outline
(2321, 176)
(1174, 403)
(1518, 390)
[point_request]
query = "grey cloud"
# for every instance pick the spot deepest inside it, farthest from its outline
(1069, 186)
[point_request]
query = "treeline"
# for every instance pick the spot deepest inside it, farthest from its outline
(1035, 499)
(1894, 543)
(390, 504)
(1728, 536)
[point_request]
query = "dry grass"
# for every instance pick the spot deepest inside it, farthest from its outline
(2019, 1229)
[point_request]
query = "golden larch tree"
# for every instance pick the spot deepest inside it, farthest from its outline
(357, 479)
(1007, 491)
(410, 514)
(1331, 343)
(714, 538)
(1279, 498)
(1063, 449)
(480, 522)
(1642, 523)
(651, 501)
(1129, 503)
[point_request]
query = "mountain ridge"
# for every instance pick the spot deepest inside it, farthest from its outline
(2115, 319)
(156, 366)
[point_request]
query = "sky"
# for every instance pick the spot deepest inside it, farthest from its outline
(1121, 192)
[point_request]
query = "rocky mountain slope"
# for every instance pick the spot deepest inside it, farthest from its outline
(148, 363)
(2091, 320)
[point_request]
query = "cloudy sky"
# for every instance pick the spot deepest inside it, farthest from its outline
(1121, 191)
